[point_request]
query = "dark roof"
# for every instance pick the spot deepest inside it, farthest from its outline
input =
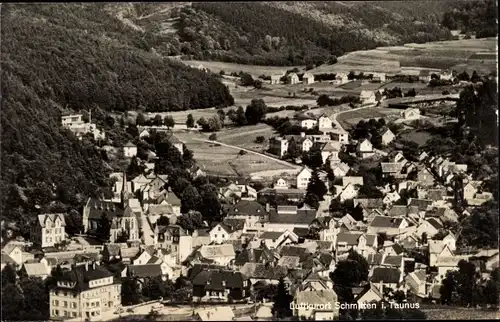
(436, 194)
(304, 217)
(219, 279)
(398, 249)
(386, 222)
(422, 204)
(301, 232)
(393, 260)
(263, 271)
(369, 203)
(398, 211)
(83, 274)
(197, 268)
(246, 208)
(301, 252)
(435, 223)
(375, 259)
(231, 224)
(99, 207)
(148, 270)
(385, 275)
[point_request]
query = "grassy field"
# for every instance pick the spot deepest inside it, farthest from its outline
(453, 313)
(245, 136)
(225, 161)
(228, 68)
(457, 54)
(348, 119)
(419, 137)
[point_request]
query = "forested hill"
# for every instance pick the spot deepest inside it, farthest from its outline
(73, 56)
(287, 33)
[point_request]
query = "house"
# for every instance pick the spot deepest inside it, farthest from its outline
(220, 254)
(367, 97)
(430, 227)
(278, 146)
(416, 283)
(386, 278)
(421, 204)
(35, 270)
(446, 75)
(358, 241)
(364, 149)
(281, 184)
(451, 241)
(230, 228)
(470, 191)
(145, 271)
(258, 272)
(7, 260)
(86, 291)
(292, 79)
(173, 239)
(341, 78)
(340, 170)
(178, 144)
(218, 313)
(129, 150)
(275, 79)
(303, 178)
(390, 198)
(144, 134)
(325, 123)
(425, 177)
(220, 285)
(438, 249)
(316, 305)
(387, 137)
(424, 76)
(307, 79)
(349, 192)
(352, 180)
(308, 123)
(286, 221)
(378, 77)
(411, 114)
(251, 211)
(330, 151)
(368, 294)
(387, 225)
(275, 239)
(48, 230)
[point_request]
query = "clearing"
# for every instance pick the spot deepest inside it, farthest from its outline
(228, 68)
(351, 118)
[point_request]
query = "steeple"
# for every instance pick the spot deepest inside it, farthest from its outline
(125, 195)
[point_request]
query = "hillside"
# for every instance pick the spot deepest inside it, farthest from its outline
(288, 33)
(62, 57)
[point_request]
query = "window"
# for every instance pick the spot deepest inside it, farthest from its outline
(55, 302)
(218, 228)
(215, 235)
(73, 314)
(223, 236)
(65, 304)
(73, 305)
(65, 313)
(47, 231)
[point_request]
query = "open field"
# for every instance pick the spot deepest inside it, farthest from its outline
(348, 119)
(228, 68)
(454, 313)
(455, 54)
(419, 137)
(245, 136)
(220, 160)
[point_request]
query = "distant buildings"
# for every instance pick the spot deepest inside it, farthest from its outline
(307, 79)
(341, 78)
(292, 79)
(79, 127)
(130, 150)
(48, 230)
(275, 79)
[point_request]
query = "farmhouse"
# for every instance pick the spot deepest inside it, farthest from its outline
(275, 79)
(367, 97)
(307, 79)
(378, 77)
(292, 79)
(411, 114)
(341, 78)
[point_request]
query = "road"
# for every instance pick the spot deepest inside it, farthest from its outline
(287, 164)
(337, 123)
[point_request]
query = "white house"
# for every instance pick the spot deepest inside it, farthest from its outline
(340, 170)
(275, 79)
(144, 134)
(340, 135)
(331, 151)
(388, 137)
(281, 184)
(308, 78)
(130, 150)
(278, 146)
(49, 230)
(365, 149)
(308, 123)
(325, 123)
(349, 192)
(341, 78)
(303, 178)
(446, 75)
(378, 77)
(367, 97)
(411, 114)
(292, 79)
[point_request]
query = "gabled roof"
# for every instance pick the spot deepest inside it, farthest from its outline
(366, 94)
(129, 145)
(386, 222)
(349, 238)
(246, 208)
(6, 259)
(436, 194)
(422, 204)
(210, 251)
(232, 224)
(366, 289)
(35, 269)
(83, 274)
(301, 252)
(263, 271)
(369, 203)
(147, 270)
(436, 223)
(43, 218)
(317, 297)
(396, 261)
(218, 279)
(303, 217)
(385, 275)
(398, 211)
(391, 167)
(289, 262)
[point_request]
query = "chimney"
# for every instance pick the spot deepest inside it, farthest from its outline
(268, 208)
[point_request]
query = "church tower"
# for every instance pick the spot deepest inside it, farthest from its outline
(125, 194)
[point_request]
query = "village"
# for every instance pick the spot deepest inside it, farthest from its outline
(297, 228)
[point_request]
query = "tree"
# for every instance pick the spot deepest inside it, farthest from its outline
(246, 79)
(9, 275)
(316, 186)
(190, 221)
(157, 120)
(222, 116)
(163, 221)
(130, 291)
(411, 93)
(324, 100)
(313, 158)
(140, 120)
(363, 264)
(257, 84)
(103, 228)
(281, 306)
(154, 288)
(134, 169)
(260, 139)
(349, 273)
(240, 116)
(213, 137)
(214, 123)
(293, 150)
(170, 122)
(256, 111)
(122, 237)
(211, 207)
(190, 200)
(13, 304)
(190, 121)
(311, 200)
(464, 76)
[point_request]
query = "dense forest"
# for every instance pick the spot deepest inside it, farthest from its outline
(479, 17)
(59, 57)
(289, 34)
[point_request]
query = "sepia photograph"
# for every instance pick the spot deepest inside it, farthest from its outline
(249, 161)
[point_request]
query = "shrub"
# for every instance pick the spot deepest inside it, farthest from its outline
(213, 137)
(260, 139)
(242, 152)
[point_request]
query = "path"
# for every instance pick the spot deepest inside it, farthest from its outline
(249, 151)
